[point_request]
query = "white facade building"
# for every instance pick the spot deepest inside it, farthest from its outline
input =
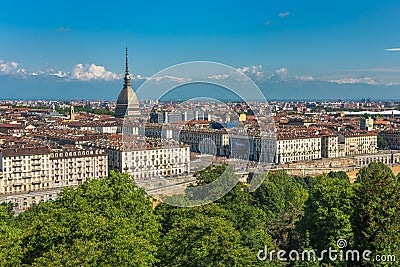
(41, 168)
(151, 158)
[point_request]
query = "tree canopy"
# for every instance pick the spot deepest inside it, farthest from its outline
(112, 222)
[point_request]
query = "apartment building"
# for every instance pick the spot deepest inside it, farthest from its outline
(41, 168)
(359, 142)
(294, 147)
(392, 137)
(96, 126)
(25, 169)
(162, 131)
(74, 166)
(207, 141)
(150, 158)
(330, 145)
(366, 124)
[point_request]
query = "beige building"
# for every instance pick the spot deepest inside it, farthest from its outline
(358, 143)
(366, 124)
(73, 167)
(330, 146)
(386, 157)
(25, 169)
(40, 168)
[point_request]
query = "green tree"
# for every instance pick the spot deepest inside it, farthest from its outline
(235, 207)
(248, 219)
(282, 198)
(328, 213)
(221, 176)
(382, 143)
(201, 236)
(106, 222)
(376, 218)
(340, 174)
(11, 251)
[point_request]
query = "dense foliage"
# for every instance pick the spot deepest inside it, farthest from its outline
(111, 222)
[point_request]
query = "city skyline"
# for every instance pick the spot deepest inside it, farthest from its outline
(291, 50)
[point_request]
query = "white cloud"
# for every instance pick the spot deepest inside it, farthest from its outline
(49, 72)
(92, 72)
(280, 74)
(219, 77)
(257, 73)
(364, 80)
(393, 49)
(168, 78)
(284, 14)
(252, 71)
(304, 77)
(138, 77)
(60, 74)
(267, 23)
(392, 83)
(283, 72)
(81, 72)
(10, 68)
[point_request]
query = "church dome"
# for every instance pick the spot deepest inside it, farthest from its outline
(127, 97)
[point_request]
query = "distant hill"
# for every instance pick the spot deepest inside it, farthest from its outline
(47, 87)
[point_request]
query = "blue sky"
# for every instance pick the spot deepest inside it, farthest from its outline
(335, 41)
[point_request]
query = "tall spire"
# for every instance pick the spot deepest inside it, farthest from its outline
(127, 78)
